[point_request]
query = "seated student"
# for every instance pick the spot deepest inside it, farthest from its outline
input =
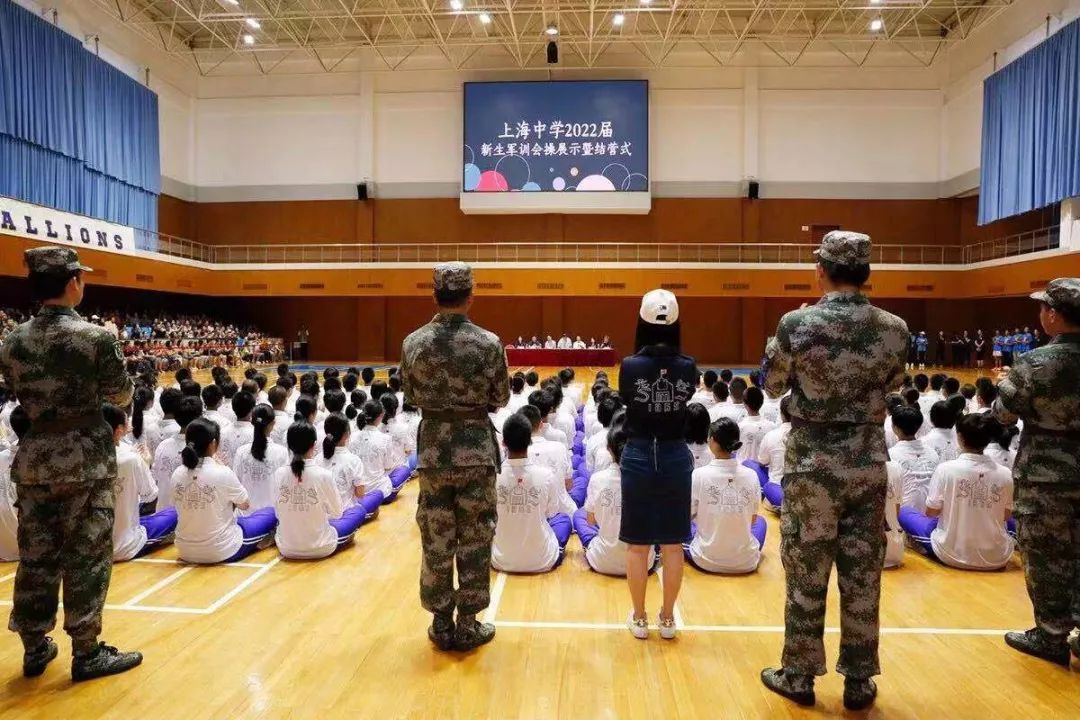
(553, 456)
(544, 401)
(563, 411)
(738, 387)
(892, 401)
(346, 468)
(968, 391)
(207, 496)
(168, 427)
(401, 441)
(278, 399)
(596, 445)
(1000, 448)
(968, 506)
(133, 536)
(145, 434)
(313, 523)
(597, 523)
(986, 393)
(597, 393)
(696, 432)
(942, 437)
(167, 456)
(531, 532)
(373, 447)
(722, 406)
(894, 534)
(917, 461)
(212, 397)
(255, 463)
(517, 394)
(240, 432)
(753, 427)
(727, 533)
(9, 517)
(704, 394)
(771, 455)
(950, 387)
(307, 410)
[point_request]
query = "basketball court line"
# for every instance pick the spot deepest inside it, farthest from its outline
(166, 561)
(7, 577)
(779, 629)
(242, 586)
(496, 597)
(164, 582)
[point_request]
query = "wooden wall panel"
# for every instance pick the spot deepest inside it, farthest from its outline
(971, 232)
(891, 222)
(176, 217)
(440, 220)
(276, 223)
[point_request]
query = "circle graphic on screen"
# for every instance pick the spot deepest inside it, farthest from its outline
(558, 183)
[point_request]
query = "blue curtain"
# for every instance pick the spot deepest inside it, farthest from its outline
(76, 134)
(1031, 129)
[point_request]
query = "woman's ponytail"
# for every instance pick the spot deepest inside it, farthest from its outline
(335, 427)
(300, 439)
(200, 434)
(143, 397)
(261, 418)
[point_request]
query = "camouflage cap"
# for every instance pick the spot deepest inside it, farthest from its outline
(1063, 294)
(844, 248)
(53, 259)
(453, 276)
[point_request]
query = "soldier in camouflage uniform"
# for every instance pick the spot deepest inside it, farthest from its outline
(455, 372)
(839, 358)
(63, 369)
(1043, 389)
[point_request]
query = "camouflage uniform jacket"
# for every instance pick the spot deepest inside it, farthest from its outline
(63, 369)
(452, 367)
(840, 358)
(1043, 389)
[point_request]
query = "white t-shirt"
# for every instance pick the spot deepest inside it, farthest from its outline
(552, 456)
(564, 343)
(257, 476)
(166, 460)
(943, 442)
(516, 402)
(772, 450)
(167, 428)
(564, 421)
(1002, 456)
(770, 410)
(606, 553)
(752, 431)
(404, 439)
(592, 446)
(550, 344)
(580, 345)
(728, 410)
(222, 420)
(894, 536)
(305, 506)
(702, 454)
(524, 542)
(973, 493)
(129, 536)
(890, 434)
(918, 464)
(554, 434)
(206, 528)
(704, 398)
(239, 434)
(374, 450)
(9, 519)
(724, 498)
(282, 421)
(151, 434)
(347, 472)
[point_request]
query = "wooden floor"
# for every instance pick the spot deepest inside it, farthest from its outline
(345, 637)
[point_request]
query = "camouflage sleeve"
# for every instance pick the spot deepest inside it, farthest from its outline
(500, 383)
(405, 375)
(778, 362)
(113, 381)
(1015, 393)
(899, 368)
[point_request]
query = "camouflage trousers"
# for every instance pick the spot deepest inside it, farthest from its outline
(1048, 528)
(65, 532)
(456, 514)
(835, 515)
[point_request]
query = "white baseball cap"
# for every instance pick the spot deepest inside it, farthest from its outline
(659, 307)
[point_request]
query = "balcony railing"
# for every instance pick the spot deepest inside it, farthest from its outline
(767, 253)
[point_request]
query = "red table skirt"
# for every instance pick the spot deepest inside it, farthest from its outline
(552, 358)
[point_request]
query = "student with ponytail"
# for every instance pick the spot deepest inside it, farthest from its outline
(373, 447)
(207, 495)
(357, 398)
(145, 435)
(240, 432)
(346, 468)
(397, 430)
(167, 456)
(134, 536)
(728, 534)
(313, 521)
(256, 462)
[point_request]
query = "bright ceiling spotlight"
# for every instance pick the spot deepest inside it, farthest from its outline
(876, 24)
(552, 30)
(249, 39)
(485, 18)
(456, 5)
(618, 20)
(253, 23)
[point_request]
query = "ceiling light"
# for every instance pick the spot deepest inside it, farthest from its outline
(249, 39)
(875, 2)
(233, 2)
(456, 5)
(552, 30)
(876, 24)
(645, 2)
(253, 23)
(485, 18)
(618, 20)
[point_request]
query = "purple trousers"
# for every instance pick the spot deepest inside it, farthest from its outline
(398, 476)
(158, 526)
(347, 525)
(762, 472)
(584, 530)
(371, 502)
(757, 529)
(562, 526)
(774, 494)
(579, 489)
(256, 527)
(918, 527)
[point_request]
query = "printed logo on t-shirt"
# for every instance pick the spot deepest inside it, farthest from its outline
(298, 497)
(195, 496)
(662, 396)
(728, 498)
(519, 499)
(611, 499)
(977, 493)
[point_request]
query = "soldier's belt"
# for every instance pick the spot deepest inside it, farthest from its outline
(456, 414)
(62, 425)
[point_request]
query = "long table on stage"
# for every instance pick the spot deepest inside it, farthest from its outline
(520, 357)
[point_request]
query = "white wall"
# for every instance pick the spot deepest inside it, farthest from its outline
(417, 137)
(696, 135)
(962, 131)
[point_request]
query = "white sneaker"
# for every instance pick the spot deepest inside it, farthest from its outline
(639, 628)
(667, 627)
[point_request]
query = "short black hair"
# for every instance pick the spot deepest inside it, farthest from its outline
(20, 421)
(1071, 315)
(367, 375)
(753, 398)
(451, 298)
(532, 413)
(607, 408)
(709, 378)
(911, 396)
(987, 393)
(211, 396)
(517, 383)
(169, 398)
(517, 433)
(696, 427)
(49, 286)
(975, 431)
(922, 382)
(907, 419)
(856, 275)
(942, 415)
(190, 388)
(188, 410)
(968, 391)
(531, 378)
(937, 381)
(242, 404)
(720, 391)
(952, 386)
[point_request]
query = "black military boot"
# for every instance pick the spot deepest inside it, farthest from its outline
(471, 634)
(859, 693)
(101, 661)
(794, 686)
(1038, 643)
(35, 661)
(441, 632)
